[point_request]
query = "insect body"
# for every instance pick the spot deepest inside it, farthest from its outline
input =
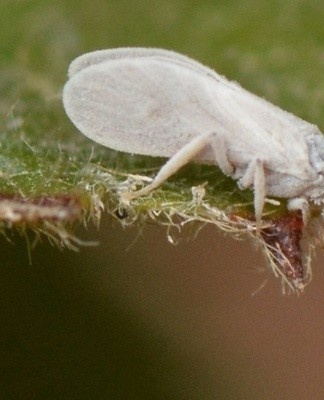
(160, 103)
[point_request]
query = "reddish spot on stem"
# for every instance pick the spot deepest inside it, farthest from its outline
(283, 239)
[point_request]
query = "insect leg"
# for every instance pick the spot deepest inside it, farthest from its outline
(299, 203)
(220, 152)
(255, 174)
(178, 160)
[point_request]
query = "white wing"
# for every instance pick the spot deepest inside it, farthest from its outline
(150, 101)
(101, 56)
(140, 105)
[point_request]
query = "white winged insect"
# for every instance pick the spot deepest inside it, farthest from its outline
(159, 103)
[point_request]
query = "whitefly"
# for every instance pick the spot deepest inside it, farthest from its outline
(160, 103)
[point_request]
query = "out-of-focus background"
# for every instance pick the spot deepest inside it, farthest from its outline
(136, 317)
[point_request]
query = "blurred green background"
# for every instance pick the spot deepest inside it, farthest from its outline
(137, 318)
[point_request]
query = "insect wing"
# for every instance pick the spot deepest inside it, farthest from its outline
(131, 53)
(141, 105)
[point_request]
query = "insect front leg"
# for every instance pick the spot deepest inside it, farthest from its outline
(255, 175)
(300, 204)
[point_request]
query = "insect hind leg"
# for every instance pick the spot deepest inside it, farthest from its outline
(179, 159)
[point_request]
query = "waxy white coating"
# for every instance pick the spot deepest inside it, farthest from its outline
(159, 103)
